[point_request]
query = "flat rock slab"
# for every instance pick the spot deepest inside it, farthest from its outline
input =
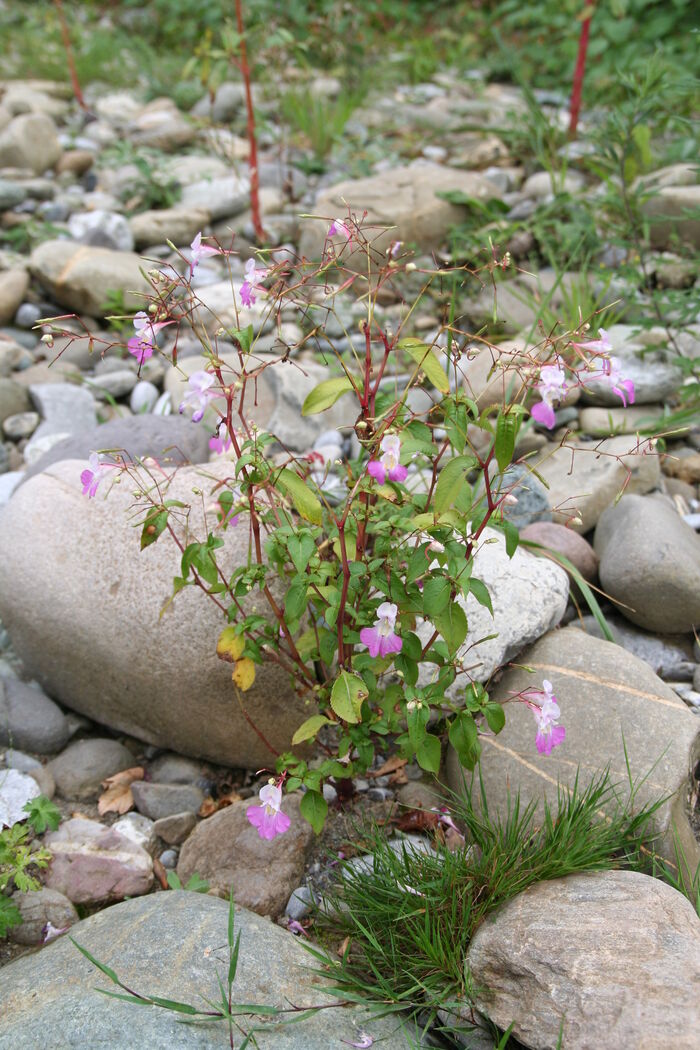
(88, 626)
(612, 956)
(169, 944)
(650, 563)
(604, 694)
(585, 479)
(92, 863)
(226, 850)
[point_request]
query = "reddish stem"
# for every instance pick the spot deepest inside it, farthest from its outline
(575, 104)
(69, 54)
(252, 143)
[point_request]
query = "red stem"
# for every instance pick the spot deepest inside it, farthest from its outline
(575, 104)
(252, 143)
(69, 54)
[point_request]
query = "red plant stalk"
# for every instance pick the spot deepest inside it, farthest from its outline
(575, 104)
(253, 158)
(77, 91)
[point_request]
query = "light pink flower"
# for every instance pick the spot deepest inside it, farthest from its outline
(544, 706)
(200, 251)
(552, 387)
(339, 229)
(396, 247)
(601, 345)
(253, 275)
(624, 388)
(91, 478)
(363, 1042)
(388, 463)
(380, 639)
(199, 394)
(220, 444)
(268, 818)
(142, 345)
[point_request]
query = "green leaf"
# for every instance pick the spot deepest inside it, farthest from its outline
(295, 598)
(300, 548)
(243, 336)
(10, 915)
(428, 362)
(450, 482)
(436, 596)
(506, 433)
(479, 590)
(314, 808)
(429, 753)
(308, 729)
(326, 394)
(495, 717)
(347, 695)
(100, 966)
(452, 625)
(154, 524)
(305, 502)
(42, 814)
(464, 738)
(512, 537)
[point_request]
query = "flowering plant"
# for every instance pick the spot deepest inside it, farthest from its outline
(364, 562)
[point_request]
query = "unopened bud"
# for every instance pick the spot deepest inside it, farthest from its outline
(197, 492)
(47, 340)
(577, 520)
(410, 267)
(510, 500)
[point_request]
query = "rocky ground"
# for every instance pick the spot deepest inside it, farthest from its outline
(89, 690)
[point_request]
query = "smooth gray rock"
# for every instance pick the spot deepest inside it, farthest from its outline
(299, 904)
(587, 477)
(654, 381)
(14, 398)
(29, 719)
(168, 944)
(101, 229)
(669, 656)
(172, 440)
(175, 769)
(11, 194)
(88, 625)
(528, 595)
(81, 768)
(220, 197)
(163, 800)
(227, 851)
(533, 501)
(610, 703)
(21, 426)
(650, 562)
(14, 759)
(39, 907)
(30, 141)
(175, 828)
(81, 277)
(64, 408)
(611, 959)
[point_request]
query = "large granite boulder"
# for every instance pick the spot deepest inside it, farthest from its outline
(89, 615)
(618, 716)
(170, 944)
(606, 959)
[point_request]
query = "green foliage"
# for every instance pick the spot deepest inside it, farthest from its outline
(410, 919)
(319, 120)
(195, 883)
(19, 857)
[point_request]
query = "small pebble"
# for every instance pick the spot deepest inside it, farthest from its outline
(168, 858)
(299, 903)
(27, 315)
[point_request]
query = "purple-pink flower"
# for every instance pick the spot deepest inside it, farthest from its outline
(388, 466)
(363, 1041)
(544, 706)
(199, 394)
(551, 387)
(219, 443)
(381, 639)
(624, 388)
(339, 229)
(602, 345)
(142, 345)
(253, 275)
(200, 251)
(92, 476)
(268, 818)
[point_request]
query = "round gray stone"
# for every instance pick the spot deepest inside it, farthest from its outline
(39, 907)
(29, 719)
(163, 800)
(81, 768)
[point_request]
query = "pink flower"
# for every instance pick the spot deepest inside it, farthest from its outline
(624, 388)
(388, 464)
(268, 818)
(363, 1042)
(551, 387)
(220, 444)
(601, 345)
(92, 476)
(380, 639)
(253, 274)
(200, 251)
(339, 229)
(199, 394)
(544, 706)
(142, 345)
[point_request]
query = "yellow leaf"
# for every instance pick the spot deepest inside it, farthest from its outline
(230, 645)
(244, 674)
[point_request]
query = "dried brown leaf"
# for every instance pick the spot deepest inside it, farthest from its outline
(118, 797)
(390, 766)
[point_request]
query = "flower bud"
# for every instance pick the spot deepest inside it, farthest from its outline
(410, 267)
